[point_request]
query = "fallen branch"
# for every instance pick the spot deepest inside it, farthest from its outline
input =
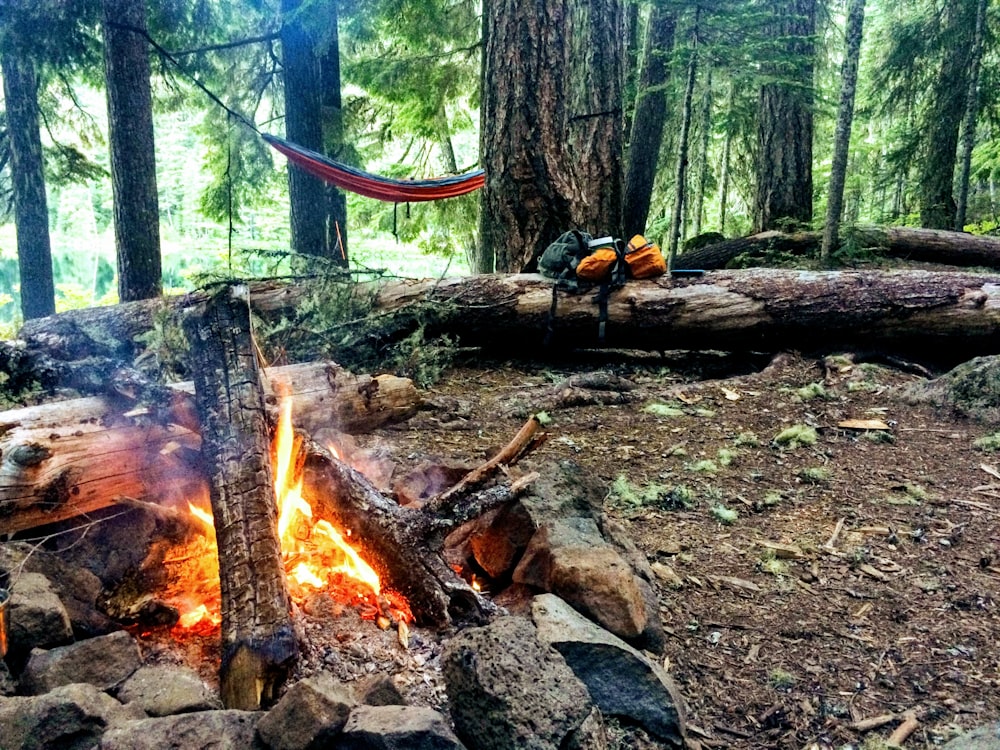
(904, 730)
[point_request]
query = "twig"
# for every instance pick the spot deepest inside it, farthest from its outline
(904, 730)
(522, 442)
(866, 725)
(831, 544)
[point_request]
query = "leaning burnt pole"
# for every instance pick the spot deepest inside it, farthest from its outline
(258, 643)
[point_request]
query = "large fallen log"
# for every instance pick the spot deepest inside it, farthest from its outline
(949, 315)
(63, 459)
(258, 642)
(909, 243)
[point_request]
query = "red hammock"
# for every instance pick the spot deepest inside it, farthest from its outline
(374, 186)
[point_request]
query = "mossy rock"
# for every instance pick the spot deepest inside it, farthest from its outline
(703, 240)
(971, 390)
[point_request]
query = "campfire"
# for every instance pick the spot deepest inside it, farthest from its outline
(317, 557)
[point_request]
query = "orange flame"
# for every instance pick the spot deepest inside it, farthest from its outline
(314, 552)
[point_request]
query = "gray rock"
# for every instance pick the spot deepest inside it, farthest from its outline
(105, 661)
(376, 690)
(163, 690)
(506, 691)
(214, 730)
(621, 681)
(981, 738)
(309, 716)
(397, 728)
(36, 616)
(8, 685)
(71, 717)
(569, 557)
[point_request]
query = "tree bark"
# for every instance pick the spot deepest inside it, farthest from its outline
(842, 135)
(703, 166)
(530, 189)
(333, 135)
(971, 113)
(680, 182)
(258, 643)
(31, 215)
(595, 127)
(304, 126)
(649, 119)
(133, 158)
(943, 117)
(68, 458)
(922, 245)
(785, 120)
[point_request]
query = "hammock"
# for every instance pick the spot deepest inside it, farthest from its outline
(374, 186)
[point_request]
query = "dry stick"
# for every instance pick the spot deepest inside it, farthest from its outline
(866, 725)
(508, 454)
(904, 730)
(831, 545)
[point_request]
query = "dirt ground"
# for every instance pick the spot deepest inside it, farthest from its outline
(804, 587)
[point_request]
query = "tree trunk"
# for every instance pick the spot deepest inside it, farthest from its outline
(649, 119)
(944, 115)
(304, 126)
(785, 120)
(682, 146)
(727, 150)
(333, 136)
(31, 216)
(922, 245)
(133, 158)
(68, 458)
(842, 135)
(258, 643)
(530, 186)
(595, 127)
(703, 168)
(971, 113)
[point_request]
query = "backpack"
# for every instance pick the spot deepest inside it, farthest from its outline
(578, 262)
(644, 259)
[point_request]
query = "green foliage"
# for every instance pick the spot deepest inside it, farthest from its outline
(653, 495)
(705, 466)
(664, 410)
(724, 515)
(811, 391)
(815, 475)
(779, 679)
(795, 436)
(988, 443)
(747, 440)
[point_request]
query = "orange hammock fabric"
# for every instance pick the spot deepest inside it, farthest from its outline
(374, 186)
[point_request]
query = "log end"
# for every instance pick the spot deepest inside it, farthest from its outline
(253, 672)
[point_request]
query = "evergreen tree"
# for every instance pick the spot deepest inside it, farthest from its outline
(34, 253)
(785, 118)
(133, 163)
(845, 117)
(971, 113)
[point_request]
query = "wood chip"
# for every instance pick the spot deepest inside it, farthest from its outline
(738, 583)
(730, 394)
(863, 424)
(689, 400)
(783, 551)
(873, 572)
(403, 634)
(991, 470)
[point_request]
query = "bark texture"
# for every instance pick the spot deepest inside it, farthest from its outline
(304, 126)
(944, 116)
(595, 129)
(530, 186)
(683, 147)
(258, 644)
(845, 118)
(971, 114)
(31, 215)
(333, 134)
(649, 119)
(133, 160)
(67, 458)
(785, 121)
(923, 245)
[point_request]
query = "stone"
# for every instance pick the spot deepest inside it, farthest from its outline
(621, 680)
(105, 661)
(506, 691)
(71, 717)
(8, 685)
(309, 715)
(218, 730)
(499, 546)
(376, 690)
(569, 557)
(36, 617)
(982, 738)
(163, 690)
(397, 727)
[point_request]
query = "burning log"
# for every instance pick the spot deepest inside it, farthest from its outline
(64, 459)
(403, 544)
(258, 643)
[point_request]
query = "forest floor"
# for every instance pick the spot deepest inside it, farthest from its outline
(804, 586)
